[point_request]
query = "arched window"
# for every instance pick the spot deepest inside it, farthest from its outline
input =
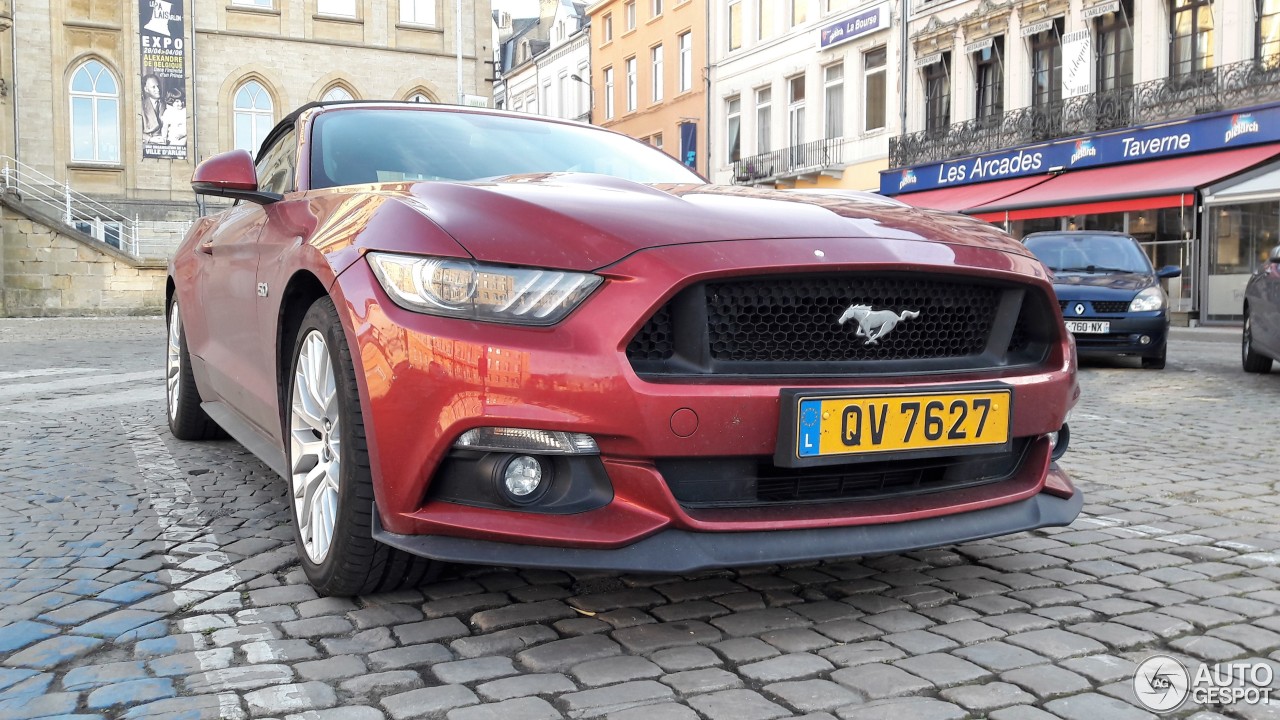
(420, 98)
(254, 116)
(95, 114)
(337, 92)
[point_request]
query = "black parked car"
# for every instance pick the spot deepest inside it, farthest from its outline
(1110, 295)
(1261, 344)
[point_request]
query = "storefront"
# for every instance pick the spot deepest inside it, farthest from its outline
(1156, 183)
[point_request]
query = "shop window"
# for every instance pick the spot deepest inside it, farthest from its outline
(937, 94)
(733, 127)
(254, 116)
(875, 88)
(833, 100)
(95, 113)
(989, 80)
(1046, 66)
(1114, 61)
(1191, 30)
(1240, 238)
(1268, 33)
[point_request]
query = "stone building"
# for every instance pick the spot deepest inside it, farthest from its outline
(108, 106)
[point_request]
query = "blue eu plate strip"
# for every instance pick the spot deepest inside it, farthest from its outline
(810, 428)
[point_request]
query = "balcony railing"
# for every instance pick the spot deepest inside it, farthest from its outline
(811, 157)
(1236, 85)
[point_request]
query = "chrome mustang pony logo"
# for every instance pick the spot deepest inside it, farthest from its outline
(875, 324)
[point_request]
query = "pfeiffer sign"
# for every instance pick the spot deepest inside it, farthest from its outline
(854, 26)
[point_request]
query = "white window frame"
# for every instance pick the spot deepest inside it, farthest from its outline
(685, 43)
(764, 119)
(609, 106)
(655, 67)
(656, 8)
(608, 27)
(419, 12)
(827, 85)
(99, 99)
(630, 8)
(795, 111)
(631, 65)
(336, 8)
(730, 115)
(734, 18)
(260, 119)
(337, 92)
(866, 89)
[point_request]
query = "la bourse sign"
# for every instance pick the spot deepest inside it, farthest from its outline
(1200, 134)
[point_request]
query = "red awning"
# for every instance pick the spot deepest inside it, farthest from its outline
(1137, 186)
(963, 197)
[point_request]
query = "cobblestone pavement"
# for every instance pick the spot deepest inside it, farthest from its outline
(144, 577)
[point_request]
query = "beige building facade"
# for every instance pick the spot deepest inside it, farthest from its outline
(82, 82)
(648, 61)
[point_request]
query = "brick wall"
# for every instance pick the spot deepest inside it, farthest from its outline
(47, 268)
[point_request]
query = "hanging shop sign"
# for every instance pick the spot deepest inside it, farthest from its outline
(854, 26)
(1077, 64)
(161, 28)
(1205, 133)
(979, 46)
(927, 60)
(1101, 9)
(1038, 27)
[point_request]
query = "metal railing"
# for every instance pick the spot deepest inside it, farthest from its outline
(142, 239)
(1237, 85)
(790, 161)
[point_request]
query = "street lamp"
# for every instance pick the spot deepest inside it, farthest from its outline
(591, 94)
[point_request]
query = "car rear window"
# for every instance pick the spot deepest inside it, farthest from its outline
(358, 146)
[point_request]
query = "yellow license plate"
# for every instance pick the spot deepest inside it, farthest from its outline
(833, 426)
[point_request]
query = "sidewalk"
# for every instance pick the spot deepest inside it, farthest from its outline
(1216, 333)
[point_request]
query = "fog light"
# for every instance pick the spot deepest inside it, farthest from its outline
(1058, 441)
(1145, 340)
(522, 479)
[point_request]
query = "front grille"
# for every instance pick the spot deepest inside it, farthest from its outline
(1101, 306)
(733, 482)
(790, 325)
(789, 319)
(1110, 306)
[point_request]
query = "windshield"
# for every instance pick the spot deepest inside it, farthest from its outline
(1085, 253)
(403, 144)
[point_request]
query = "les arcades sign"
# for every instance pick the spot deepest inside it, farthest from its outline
(1202, 134)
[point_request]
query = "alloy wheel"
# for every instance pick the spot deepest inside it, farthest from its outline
(315, 443)
(173, 365)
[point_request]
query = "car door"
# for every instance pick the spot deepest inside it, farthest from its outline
(1266, 319)
(242, 362)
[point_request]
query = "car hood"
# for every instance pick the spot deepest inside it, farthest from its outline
(587, 222)
(1115, 285)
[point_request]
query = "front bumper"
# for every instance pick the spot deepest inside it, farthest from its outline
(425, 380)
(682, 551)
(1125, 336)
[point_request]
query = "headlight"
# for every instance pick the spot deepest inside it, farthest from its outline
(1150, 299)
(466, 289)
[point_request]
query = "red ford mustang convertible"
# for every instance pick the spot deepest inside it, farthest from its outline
(471, 336)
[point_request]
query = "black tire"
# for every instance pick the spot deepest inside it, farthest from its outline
(187, 420)
(355, 563)
(1155, 362)
(1253, 362)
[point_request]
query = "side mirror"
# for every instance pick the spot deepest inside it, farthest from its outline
(231, 175)
(1169, 271)
(1275, 255)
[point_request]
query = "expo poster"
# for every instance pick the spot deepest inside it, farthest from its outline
(164, 79)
